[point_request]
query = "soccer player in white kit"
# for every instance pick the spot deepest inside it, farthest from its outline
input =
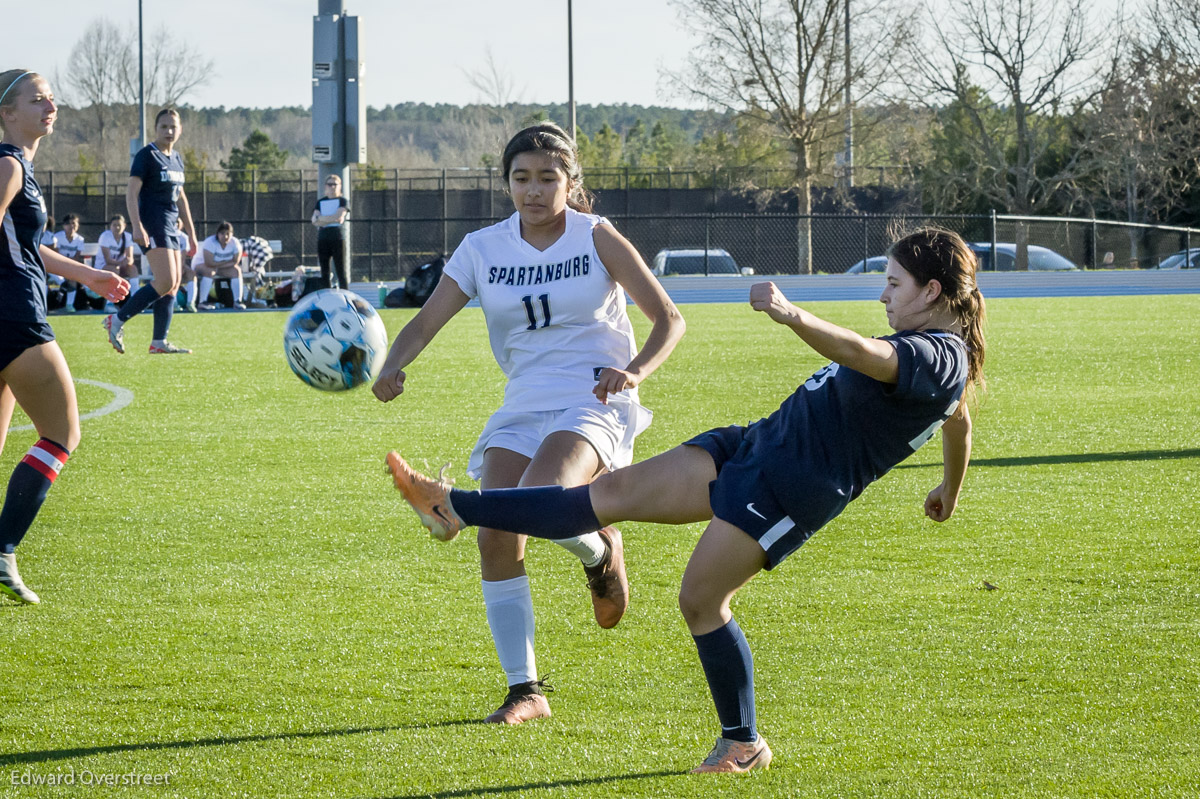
(551, 280)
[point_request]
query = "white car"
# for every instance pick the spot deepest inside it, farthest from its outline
(696, 262)
(1041, 259)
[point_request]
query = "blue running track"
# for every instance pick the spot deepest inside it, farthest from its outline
(809, 288)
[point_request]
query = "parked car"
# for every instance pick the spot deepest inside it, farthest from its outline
(1041, 259)
(876, 263)
(695, 262)
(1184, 259)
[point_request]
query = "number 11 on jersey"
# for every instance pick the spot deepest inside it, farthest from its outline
(544, 299)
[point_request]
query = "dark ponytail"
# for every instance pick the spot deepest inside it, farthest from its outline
(553, 140)
(937, 254)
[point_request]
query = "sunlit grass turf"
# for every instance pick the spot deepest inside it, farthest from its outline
(233, 595)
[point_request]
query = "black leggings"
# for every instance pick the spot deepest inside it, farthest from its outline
(333, 247)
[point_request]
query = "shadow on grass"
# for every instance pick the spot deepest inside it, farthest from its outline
(500, 790)
(1085, 457)
(51, 755)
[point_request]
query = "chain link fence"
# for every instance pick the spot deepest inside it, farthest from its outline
(404, 218)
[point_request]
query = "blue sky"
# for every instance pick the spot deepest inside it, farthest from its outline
(414, 51)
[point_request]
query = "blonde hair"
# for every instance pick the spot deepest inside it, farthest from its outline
(8, 81)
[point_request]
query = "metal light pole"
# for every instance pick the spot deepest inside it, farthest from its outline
(571, 72)
(849, 158)
(141, 83)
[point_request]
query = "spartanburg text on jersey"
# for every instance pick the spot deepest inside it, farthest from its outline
(553, 316)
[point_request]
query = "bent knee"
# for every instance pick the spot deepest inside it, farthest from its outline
(696, 606)
(496, 546)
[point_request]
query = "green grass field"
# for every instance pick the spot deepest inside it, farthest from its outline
(233, 595)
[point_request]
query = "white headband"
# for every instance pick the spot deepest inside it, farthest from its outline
(14, 83)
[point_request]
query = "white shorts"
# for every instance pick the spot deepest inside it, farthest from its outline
(610, 429)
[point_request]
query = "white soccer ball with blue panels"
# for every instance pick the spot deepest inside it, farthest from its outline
(335, 340)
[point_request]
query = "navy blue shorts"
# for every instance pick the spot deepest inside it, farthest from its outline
(741, 496)
(163, 233)
(16, 337)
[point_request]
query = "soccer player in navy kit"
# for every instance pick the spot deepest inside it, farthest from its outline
(767, 487)
(33, 371)
(156, 203)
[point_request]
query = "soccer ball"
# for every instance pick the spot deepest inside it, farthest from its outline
(334, 340)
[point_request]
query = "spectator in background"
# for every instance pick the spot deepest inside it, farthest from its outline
(48, 233)
(222, 258)
(116, 250)
(329, 216)
(258, 255)
(69, 244)
(191, 258)
(54, 283)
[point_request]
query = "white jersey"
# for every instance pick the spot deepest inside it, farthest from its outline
(554, 317)
(230, 252)
(68, 247)
(112, 251)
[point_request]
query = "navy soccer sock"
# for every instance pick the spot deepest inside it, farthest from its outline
(164, 309)
(137, 303)
(729, 669)
(27, 489)
(550, 512)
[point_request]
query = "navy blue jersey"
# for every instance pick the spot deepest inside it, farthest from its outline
(842, 430)
(22, 273)
(162, 181)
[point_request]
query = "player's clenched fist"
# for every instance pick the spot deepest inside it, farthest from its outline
(767, 297)
(389, 385)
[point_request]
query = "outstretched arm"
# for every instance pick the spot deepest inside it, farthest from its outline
(447, 300)
(629, 270)
(956, 454)
(109, 285)
(873, 357)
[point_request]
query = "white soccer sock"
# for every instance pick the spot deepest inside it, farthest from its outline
(70, 301)
(236, 284)
(589, 547)
(510, 616)
(189, 292)
(205, 287)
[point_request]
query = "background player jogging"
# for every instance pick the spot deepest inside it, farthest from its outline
(765, 488)
(551, 280)
(156, 203)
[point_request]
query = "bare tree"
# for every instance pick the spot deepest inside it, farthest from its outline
(496, 87)
(1031, 58)
(783, 64)
(102, 74)
(1175, 28)
(95, 75)
(1143, 138)
(174, 68)
(496, 119)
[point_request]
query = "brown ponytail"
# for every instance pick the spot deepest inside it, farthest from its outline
(937, 254)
